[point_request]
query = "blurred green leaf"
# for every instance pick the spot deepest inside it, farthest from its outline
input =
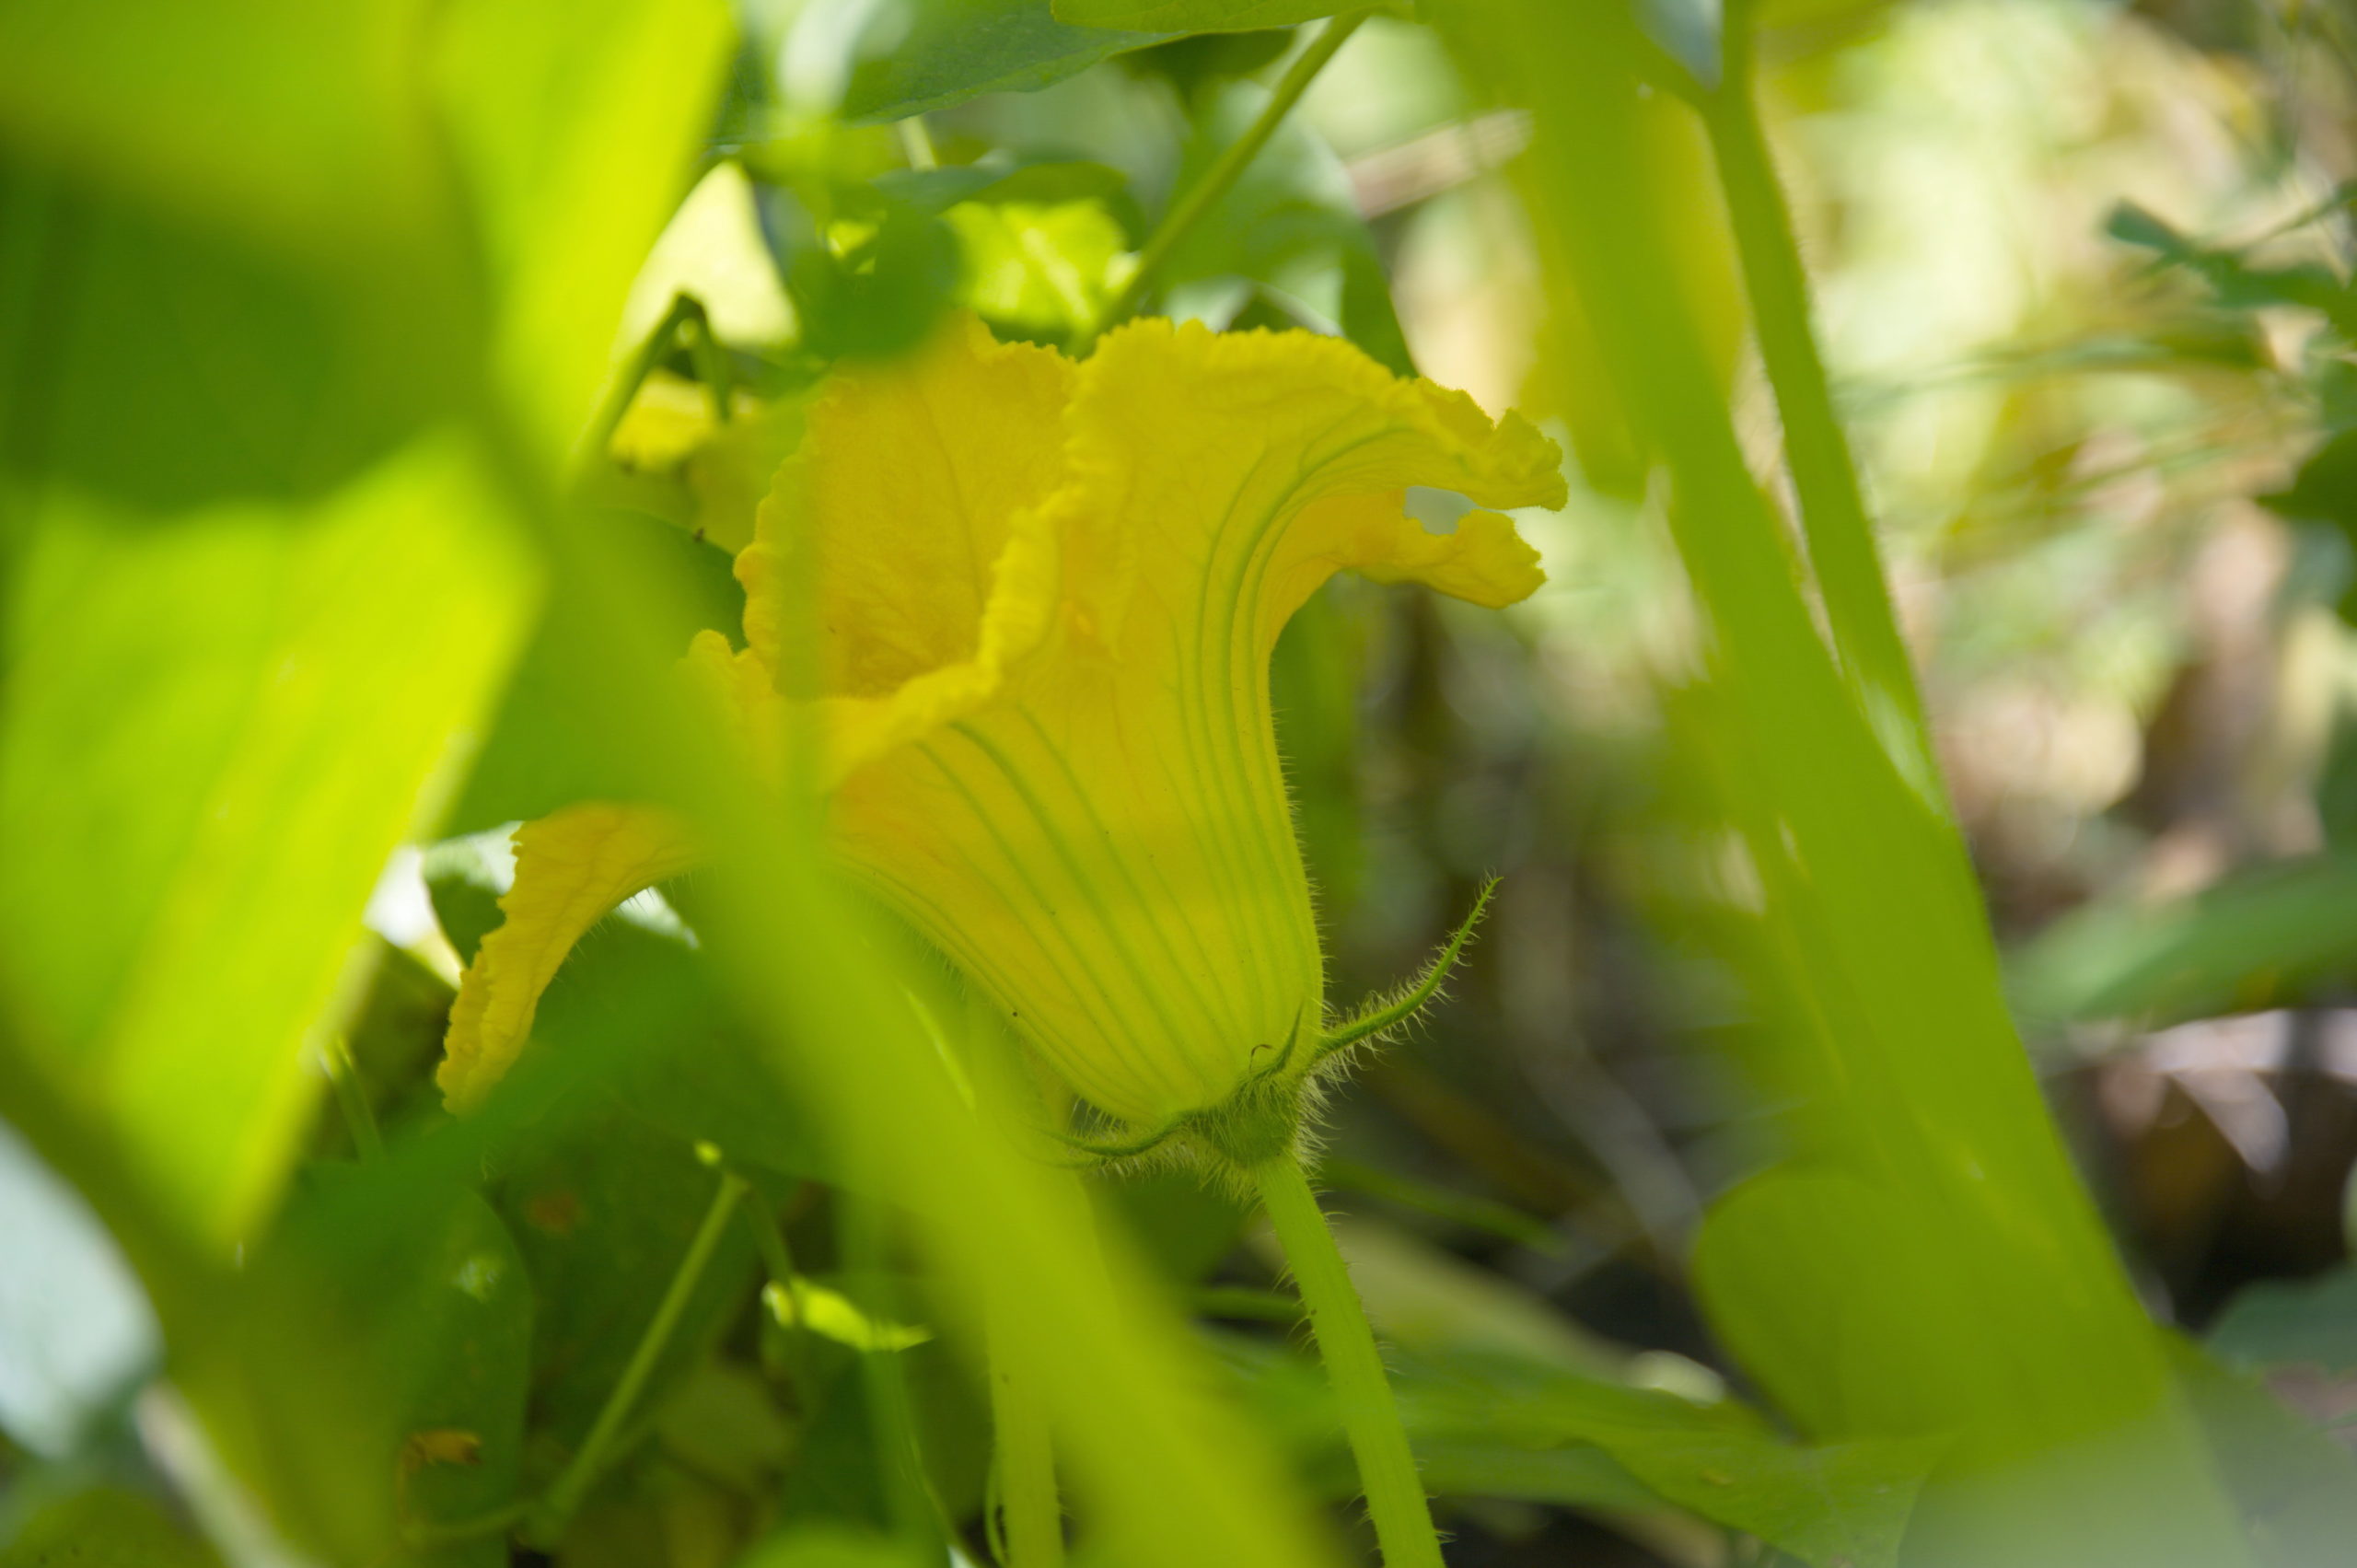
(1200, 61)
(725, 1421)
(1177, 1224)
(1485, 1368)
(1761, 1245)
(1846, 1503)
(465, 898)
(954, 49)
(2234, 279)
(604, 1214)
(576, 126)
(831, 1546)
(2256, 938)
(296, 119)
(1457, 1208)
(1033, 268)
(1048, 182)
(394, 1041)
(1580, 1476)
(828, 1313)
(936, 189)
(164, 362)
(836, 1479)
(104, 1528)
(1290, 224)
(687, 1060)
(2324, 490)
(881, 297)
(1492, 1422)
(175, 698)
(553, 740)
(420, 1297)
(2295, 1485)
(1199, 15)
(2310, 1322)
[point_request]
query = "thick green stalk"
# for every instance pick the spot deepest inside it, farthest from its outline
(1030, 1515)
(556, 1507)
(1030, 1511)
(1825, 475)
(1395, 1495)
(1197, 199)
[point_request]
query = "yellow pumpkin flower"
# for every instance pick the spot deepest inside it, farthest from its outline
(1040, 599)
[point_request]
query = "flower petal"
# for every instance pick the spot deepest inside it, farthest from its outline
(909, 522)
(1104, 842)
(1236, 459)
(1484, 561)
(572, 868)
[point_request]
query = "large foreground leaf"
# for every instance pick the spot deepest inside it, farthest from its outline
(213, 734)
(1926, 1261)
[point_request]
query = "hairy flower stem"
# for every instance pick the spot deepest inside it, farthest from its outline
(1191, 203)
(548, 1517)
(1825, 476)
(1029, 1510)
(1395, 1495)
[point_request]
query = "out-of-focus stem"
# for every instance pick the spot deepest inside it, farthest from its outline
(1825, 475)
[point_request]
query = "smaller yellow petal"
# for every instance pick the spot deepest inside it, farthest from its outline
(883, 532)
(572, 868)
(729, 472)
(908, 533)
(1022, 603)
(744, 690)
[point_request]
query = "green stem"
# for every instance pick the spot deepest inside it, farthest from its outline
(1029, 1507)
(1379, 1017)
(710, 365)
(555, 1508)
(1395, 1496)
(1825, 476)
(1197, 198)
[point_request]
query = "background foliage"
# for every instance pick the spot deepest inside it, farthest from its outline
(1900, 1108)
